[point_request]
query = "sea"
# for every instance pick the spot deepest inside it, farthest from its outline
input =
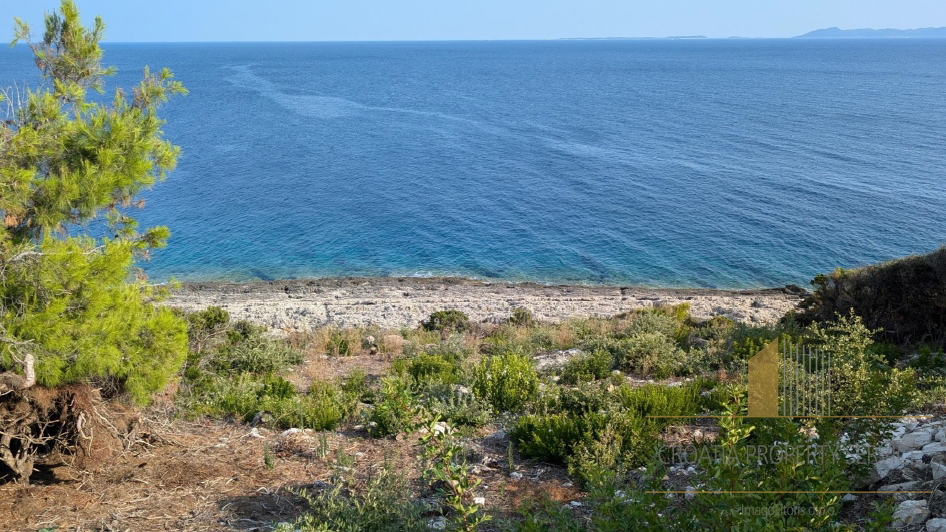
(664, 163)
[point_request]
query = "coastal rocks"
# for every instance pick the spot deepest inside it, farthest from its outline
(382, 301)
(914, 474)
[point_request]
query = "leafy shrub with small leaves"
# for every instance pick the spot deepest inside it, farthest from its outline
(396, 410)
(447, 320)
(258, 355)
(652, 354)
(426, 369)
(507, 381)
(382, 503)
(457, 406)
(651, 322)
(588, 367)
(522, 317)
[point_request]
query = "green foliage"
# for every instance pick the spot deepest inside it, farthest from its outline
(588, 367)
(396, 410)
(257, 354)
(65, 163)
(457, 406)
(447, 320)
(383, 503)
(900, 299)
(652, 321)
(447, 470)
(862, 383)
(430, 369)
(653, 354)
(594, 431)
(246, 395)
(507, 381)
(521, 317)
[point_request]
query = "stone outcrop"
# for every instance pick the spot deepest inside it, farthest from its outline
(404, 302)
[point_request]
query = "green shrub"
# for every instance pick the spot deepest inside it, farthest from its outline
(383, 503)
(246, 395)
(426, 369)
(258, 355)
(208, 320)
(456, 406)
(522, 317)
(395, 410)
(652, 354)
(588, 367)
(896, 298)
(447, 320)
(507, 381)
(652, 321)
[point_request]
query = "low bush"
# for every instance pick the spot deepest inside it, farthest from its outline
(395, 411)
(382, 503)
(447, 320)
(522, 317)
(652, 354)
(588, 367)
(507, 382)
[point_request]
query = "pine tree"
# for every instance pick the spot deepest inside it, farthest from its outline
(71, 169)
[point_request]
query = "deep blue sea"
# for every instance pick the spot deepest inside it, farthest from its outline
(717, 163)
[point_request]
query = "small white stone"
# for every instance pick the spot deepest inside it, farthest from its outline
(936, 525)
(255, 433)
(912, 455)
(913, 440)
(849, 497)
(690, 492)
(575, 504)
(883, 468)
(291, 431)
(437, 523)
(934, 448)
(479, 501)
(909, 513)
(515, 475)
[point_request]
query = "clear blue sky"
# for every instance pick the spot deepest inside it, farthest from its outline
(345, 20)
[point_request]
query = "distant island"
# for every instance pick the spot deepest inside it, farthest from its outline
(838, 33)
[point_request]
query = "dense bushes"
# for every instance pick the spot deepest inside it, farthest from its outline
(507, 381)
(905, 299)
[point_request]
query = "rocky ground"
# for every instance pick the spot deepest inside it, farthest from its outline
(403, 302)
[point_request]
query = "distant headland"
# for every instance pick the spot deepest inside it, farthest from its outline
(838, 33)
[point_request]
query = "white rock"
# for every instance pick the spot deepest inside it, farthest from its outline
(940, 436)
(849, 497)
(912, 455)
(934, 448)
(575, 504)
(515, 475)
(255, 433)
(690, 492)
(936, 525)
(883, 468)
(291, 431)
(913, 440)
(909, 513)
(437, 523)
(479, 501)
(939, 469)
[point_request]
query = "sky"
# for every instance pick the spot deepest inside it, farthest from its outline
(374, 20)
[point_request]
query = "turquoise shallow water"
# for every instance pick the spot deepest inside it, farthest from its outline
(707, 164)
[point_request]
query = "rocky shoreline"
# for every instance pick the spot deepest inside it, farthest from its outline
(395, 302)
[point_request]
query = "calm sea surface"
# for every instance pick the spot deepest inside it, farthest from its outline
(671, 163)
